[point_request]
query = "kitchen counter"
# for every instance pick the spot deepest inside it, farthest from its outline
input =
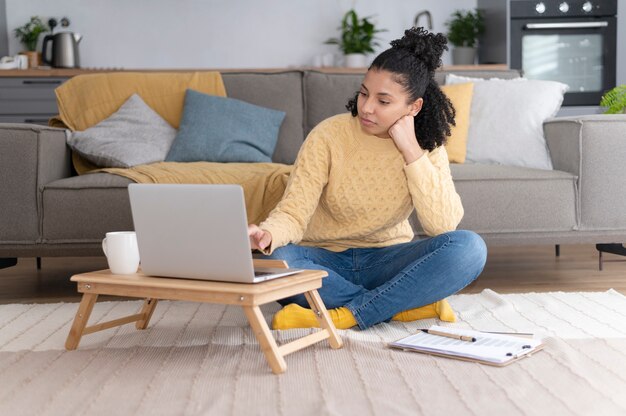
(61, 72)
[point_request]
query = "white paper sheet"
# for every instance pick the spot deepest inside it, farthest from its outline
(493, 348)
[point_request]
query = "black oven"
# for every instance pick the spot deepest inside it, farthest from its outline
(571, 41)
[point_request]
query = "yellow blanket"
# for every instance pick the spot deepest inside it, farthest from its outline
(86, 100)
(263, 183)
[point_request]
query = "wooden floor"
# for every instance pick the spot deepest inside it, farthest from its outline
(508, 270)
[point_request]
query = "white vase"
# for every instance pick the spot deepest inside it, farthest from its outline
(355, 60)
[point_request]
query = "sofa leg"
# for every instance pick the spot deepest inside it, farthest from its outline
(557, 250)
(38, 263)
(600, 260)
(613, 248)
(7, 262)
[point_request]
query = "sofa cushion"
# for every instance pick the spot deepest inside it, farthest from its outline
(327, 95)
(133, 135)
(278, 90)
(81, 209)
(222, 129)
(460, 95)
(497, 199)
(501, 199)
(507, 119)
(87, 99)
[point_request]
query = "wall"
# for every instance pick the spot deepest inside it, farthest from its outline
(218, 33)
(227, 33)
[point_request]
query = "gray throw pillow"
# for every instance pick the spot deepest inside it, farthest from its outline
(220, 129)
(133, 135)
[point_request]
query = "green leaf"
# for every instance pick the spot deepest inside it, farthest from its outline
(465, 28)
(614, 100)
(357, 35)
(29, 33)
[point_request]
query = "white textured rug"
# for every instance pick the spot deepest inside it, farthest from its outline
(203, 359)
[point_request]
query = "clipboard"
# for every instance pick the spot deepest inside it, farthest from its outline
(490, 348)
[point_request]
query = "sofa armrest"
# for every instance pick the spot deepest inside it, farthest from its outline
(593, 148)
(30, 157)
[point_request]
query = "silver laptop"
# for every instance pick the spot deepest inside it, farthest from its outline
(195, 232)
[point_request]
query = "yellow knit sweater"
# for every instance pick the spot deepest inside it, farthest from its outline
(350, 189)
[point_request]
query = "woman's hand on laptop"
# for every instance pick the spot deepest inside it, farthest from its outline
(259, 239)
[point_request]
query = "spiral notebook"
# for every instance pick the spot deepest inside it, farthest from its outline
(488, 348)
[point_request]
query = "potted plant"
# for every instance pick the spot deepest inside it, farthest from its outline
(464, 30)
(29, 35)
(357, 39)
(615, 100)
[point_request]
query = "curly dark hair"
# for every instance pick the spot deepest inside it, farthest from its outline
(413, 60)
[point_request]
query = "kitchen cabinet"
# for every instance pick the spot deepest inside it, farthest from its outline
(28, 99)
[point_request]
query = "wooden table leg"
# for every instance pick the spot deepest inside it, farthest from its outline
(317, 305)
(80, 320)
(266, 340)
(148, 308)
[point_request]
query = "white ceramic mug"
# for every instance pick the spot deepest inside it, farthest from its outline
(22, 61)
(121, 251)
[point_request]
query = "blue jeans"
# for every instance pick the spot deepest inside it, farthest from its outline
(377, 283)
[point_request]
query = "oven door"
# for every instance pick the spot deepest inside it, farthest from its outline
(576, 52)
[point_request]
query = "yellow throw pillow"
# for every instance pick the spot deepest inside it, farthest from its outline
(86, 100)
(461, 97)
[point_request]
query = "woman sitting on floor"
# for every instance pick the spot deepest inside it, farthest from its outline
(356, 180)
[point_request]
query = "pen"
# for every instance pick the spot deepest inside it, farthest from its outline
(448, 335)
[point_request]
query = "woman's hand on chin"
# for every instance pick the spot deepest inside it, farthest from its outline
(403, 134)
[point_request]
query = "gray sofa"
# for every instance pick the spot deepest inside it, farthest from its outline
(46, 210)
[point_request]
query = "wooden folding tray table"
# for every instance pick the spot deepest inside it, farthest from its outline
(248, 296)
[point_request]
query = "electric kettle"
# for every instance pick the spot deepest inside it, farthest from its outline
(64, 50)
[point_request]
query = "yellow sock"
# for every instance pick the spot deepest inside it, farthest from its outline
(295, 316)
(440, 309)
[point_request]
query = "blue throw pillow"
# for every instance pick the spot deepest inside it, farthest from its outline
(220, 129)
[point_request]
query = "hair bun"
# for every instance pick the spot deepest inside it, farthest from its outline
(427, 47)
